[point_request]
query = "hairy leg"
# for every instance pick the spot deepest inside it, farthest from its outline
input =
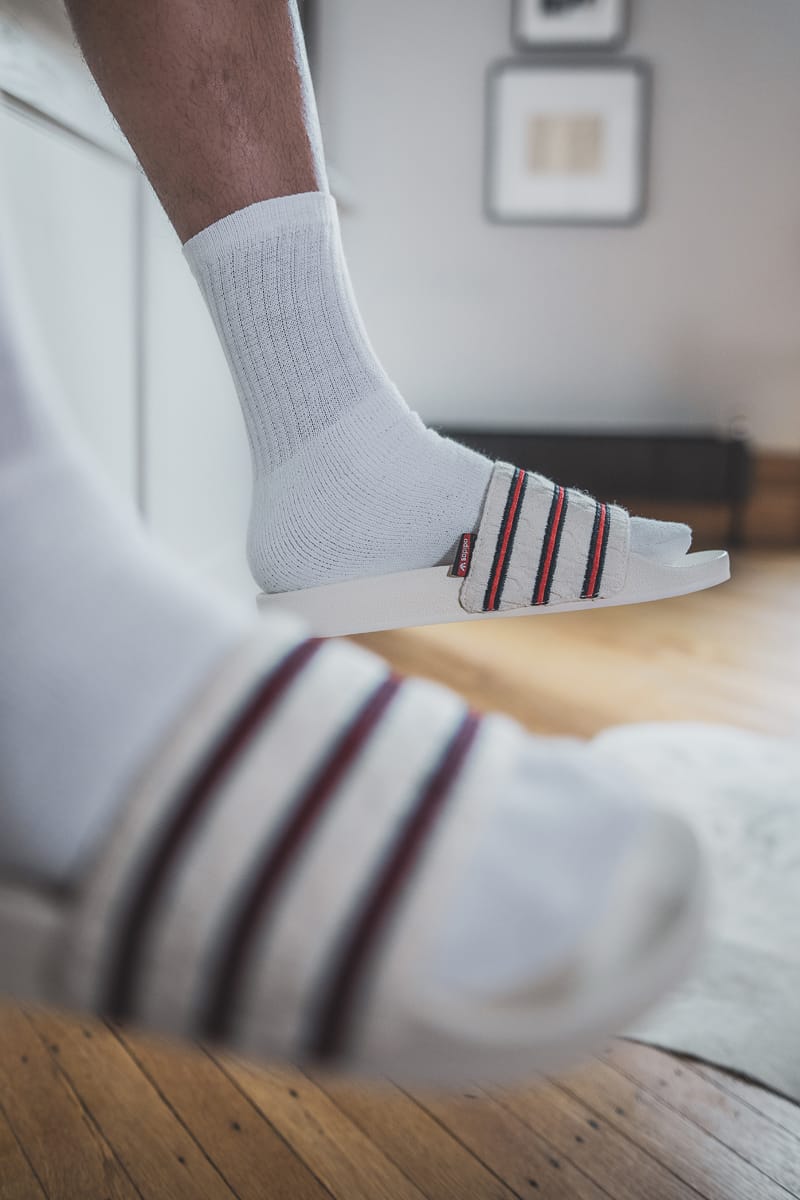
(213, 95)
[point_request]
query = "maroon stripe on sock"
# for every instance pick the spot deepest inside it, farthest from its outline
(333, 1028)
(249, 921)
(119, 1003)
(505, 541)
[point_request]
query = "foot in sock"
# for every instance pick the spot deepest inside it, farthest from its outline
(274, 842)
(348, 481)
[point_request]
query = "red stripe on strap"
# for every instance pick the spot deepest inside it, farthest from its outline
(509, 525)
(337, 1009)
(597, 551)
(119, 1002)
(249, 921)
(542, 588)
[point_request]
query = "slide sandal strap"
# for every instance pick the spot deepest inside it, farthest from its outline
(539, 543)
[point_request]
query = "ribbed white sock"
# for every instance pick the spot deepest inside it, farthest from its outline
(348, 481)
(102, 639)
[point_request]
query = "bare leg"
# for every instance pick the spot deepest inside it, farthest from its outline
(213, 95)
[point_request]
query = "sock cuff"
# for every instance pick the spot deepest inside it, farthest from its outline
(249, 226)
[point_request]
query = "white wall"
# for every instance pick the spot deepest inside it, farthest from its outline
(691, 318)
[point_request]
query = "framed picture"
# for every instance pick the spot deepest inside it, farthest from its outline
(572, 23)
(566, 142)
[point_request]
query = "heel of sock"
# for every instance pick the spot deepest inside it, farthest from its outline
(366, 497)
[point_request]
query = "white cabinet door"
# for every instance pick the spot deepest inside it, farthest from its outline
(197, 464)
(70, 211)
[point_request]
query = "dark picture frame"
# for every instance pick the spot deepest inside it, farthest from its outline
(566, 40)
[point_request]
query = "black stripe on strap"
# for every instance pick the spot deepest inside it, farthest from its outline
(333, 1029)
(586, 594)
(603, 548)
(491, 599)
(551, 544)
(251, 914)
(512, 535)
(119, 1002)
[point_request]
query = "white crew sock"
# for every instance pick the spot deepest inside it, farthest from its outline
(348, 481)
(102, 640)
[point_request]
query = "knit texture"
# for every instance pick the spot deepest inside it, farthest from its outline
(348, 481)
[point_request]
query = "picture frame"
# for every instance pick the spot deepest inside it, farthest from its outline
(569, 24)
(567, 141)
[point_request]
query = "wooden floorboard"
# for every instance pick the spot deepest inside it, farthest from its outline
(156, 1151)
(236, 1135)
(432, 1156)
(707, 1164)
(89, 1112)
(62, 1141)
(531, 1159)
(18, 1180)
(653, 1075)
(347, 1161)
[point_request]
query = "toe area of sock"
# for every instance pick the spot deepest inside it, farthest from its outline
(637, 950)
(663, 540)
(658, 889)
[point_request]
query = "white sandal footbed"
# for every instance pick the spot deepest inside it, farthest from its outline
(539, 547)
(213, 910)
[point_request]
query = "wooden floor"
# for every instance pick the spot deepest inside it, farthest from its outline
(92, 1113)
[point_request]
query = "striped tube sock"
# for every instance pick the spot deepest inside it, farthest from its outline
(325, 862)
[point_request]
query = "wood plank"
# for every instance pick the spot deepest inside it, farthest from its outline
(416, 1142)
(62, 1144)
(343, 1157)
(520, 1153)
(615, 1163)
(772, 514)
(754, 1137)
(778, 1109)
(705, 1163)
(238, 1138)
(162, 1159)
(16, 1174)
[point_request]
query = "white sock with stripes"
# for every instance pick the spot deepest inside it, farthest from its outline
(348, 481)
(327, 861)
(102, 638)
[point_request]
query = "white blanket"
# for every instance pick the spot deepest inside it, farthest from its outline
(740, 1008)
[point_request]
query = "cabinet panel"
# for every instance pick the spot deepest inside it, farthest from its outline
(69, 210)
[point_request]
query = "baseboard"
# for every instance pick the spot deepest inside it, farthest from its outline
(727, 491)
(772, 514)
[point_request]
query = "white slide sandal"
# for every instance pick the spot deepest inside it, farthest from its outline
(539, 547)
